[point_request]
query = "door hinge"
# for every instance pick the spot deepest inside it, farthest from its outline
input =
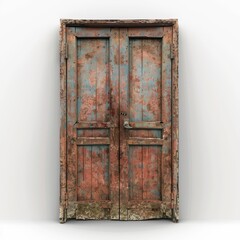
(172, 200)
(171, 51)
(66, 50)
(66, 199)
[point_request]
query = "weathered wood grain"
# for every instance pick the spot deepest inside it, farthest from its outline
(151, 75)
(166, 114)
(92, 141)
(100, 173)
(114, 75)
(149, 32)
(92, 86)
(145, 141)
(63, 127)
(71, 117)
(93, 124)
(115, 71)
(93, 105)
(135, 156)
(145, 106)
(124, 108)
(147, 125)
(119, 23)
(175, 126)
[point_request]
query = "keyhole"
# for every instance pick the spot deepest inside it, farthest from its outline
(124, 114)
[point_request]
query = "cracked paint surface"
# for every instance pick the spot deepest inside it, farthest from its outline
(107, 171)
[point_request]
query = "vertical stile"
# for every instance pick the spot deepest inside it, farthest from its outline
(175, 125)
(151, 112)
(124, 108)
(71, 116)
(114, 118)
(135, 81)
(63, 127)
(166, 114)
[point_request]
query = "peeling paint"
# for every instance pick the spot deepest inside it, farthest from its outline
(92, 133)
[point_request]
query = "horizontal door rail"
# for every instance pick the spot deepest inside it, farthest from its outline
(92, 203)
(148, 204)
(145, 141)
(91, 125)
(92, 141)
(147, 125)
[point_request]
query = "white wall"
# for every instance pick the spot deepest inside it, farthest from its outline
(209, 101)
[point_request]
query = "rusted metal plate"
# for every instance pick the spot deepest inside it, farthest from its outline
(110, 170)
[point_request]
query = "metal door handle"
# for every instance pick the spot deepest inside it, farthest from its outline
(126, 124)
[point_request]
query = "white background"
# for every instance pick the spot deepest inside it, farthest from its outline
(209, 104)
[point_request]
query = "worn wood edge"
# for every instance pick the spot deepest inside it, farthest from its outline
(62, 214)
(161, 214)
(175, 125)
(63, 162)
(118, 22)
(88, 211)
(97, 211)
(160, 211)
(148, 204)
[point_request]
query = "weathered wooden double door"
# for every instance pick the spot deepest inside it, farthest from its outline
(118, 137)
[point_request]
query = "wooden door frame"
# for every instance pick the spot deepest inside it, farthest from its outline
(63, 104)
